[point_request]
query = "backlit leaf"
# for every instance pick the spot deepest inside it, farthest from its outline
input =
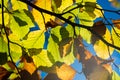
(65, 4)
(65, 46)
(45, 4)
(116, 36)
(18, 5)
(42, 59)
(65, 72)
(85, 34)
(115, 76)
(16, 52)
(20, 29)
(35, 39)
(101, 48)
(6, 19)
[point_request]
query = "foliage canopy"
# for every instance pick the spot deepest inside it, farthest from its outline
(49, 35)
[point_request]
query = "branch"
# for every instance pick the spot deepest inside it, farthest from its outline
(3, 25)
(71, 23)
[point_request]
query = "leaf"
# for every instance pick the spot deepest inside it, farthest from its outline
(53, 47)
(51, 76)
(34, 51)
(65, 72)
(65, 46)
(42, 59)
(90, 6)
(115, 36)
(18, 5)
(100, 28)
(60, 71)
(16, 26)
(99, 73)
(116, 23)
(6, 19)
(85, 34)
(3, 45)
(86, 18)
(65, 4)
(115, 76)
(26, 75)
(101, 48)
(16, 52)
(58, 3)
(4, 74)
(3, 58)
(29, 66)
(55, 38)
(35, 39)
(45, 4)
(64, 33)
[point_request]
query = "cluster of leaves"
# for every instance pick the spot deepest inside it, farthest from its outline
(49, 37)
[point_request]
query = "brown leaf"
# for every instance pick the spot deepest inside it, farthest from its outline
(65, 46)
(51, 76)
(99, 73)
(116, 23)
(4, 74)
(25, 75)
(100, 28)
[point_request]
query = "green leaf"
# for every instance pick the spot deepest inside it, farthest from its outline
(90, 6)
(16, 52)
(3, 58)
(55, 38)
(86, 35)
(42, 59)
(85, 18)
(53, 49)
(64, 33)
(65, 46)
(3, 45)
(19, 21)
(34, 51)
(35, 40)
(17, 26)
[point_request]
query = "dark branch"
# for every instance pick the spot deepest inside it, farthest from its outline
(71, 23)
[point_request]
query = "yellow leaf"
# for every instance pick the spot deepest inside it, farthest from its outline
(65, 4)
(98, 12)
(44, 4)
(115, 36)
(101, 48)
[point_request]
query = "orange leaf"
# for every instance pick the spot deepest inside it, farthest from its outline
(65, 72)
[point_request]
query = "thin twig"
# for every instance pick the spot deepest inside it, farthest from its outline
(3, 25)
